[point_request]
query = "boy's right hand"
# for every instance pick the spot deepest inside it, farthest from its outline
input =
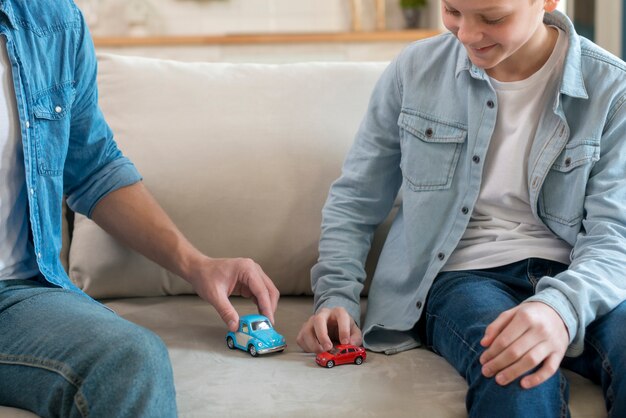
(328, 325)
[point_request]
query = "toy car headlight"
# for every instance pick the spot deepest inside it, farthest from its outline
(260, 344)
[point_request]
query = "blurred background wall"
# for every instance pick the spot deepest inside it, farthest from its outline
(122, 26)
(176, 17)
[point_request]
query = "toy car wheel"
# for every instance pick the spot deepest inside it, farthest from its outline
(330, 364)
(252, 351)
(358, 361)
(230, 343)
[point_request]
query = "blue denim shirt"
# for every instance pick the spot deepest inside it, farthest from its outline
(426, 134)
(68, 147)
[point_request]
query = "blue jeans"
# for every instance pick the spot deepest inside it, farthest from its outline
(461, 304)
(62, 354)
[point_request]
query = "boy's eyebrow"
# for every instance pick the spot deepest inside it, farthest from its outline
(479, 10)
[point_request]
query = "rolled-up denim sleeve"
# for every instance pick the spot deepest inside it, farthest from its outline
(360, 200)
(595, 282)
(94, 165)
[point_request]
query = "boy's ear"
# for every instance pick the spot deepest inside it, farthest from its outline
(550, 5)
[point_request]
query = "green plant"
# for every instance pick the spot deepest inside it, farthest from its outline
(413, 4)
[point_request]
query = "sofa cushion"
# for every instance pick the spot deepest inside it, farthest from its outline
(211, 380)
(241, 156)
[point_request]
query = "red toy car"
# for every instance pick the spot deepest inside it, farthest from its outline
(341, 354)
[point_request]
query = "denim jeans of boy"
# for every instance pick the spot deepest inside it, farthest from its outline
(462, 304)
(62, 354)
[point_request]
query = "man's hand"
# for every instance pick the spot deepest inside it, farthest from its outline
(131, 215)
(521, 339)
(319, 331)
(216, 279)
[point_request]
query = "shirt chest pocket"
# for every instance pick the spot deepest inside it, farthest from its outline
(563, 192)
(430, 151)
(51, 116)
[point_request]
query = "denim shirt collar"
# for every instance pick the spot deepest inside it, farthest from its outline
(572, 83)
(6, 9)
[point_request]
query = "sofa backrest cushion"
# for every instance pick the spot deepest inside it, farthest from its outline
(241, 156)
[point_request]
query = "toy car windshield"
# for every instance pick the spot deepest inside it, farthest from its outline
(261, 325)
(333, 350)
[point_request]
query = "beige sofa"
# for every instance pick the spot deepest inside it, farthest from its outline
(242, 156)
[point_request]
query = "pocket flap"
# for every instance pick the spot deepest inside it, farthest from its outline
(54, 104)
(577, 154)
(431, 131)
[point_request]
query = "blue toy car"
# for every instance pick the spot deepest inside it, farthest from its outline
(256, 336)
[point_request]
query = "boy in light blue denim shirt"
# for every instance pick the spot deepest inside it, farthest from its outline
(507, 140)
(61, 353)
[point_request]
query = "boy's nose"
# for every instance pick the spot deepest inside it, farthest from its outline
(468, 34)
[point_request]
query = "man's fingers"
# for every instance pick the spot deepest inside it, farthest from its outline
(227, 312)
(259, 289)
(272, 290)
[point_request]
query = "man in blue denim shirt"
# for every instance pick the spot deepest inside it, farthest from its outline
(61, 353)
(507, 140)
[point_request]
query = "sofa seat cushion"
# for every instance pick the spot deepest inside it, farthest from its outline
(212, 380)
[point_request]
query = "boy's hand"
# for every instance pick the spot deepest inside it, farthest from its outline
(216, 279)
(317, 334)
(521, 339)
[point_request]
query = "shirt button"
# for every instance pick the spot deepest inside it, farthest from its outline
(535, 182)
(32, 191)
(39, 255)
(465, 210)
(58, 109)
(429, 132)
(441, 256)
(490, 104)
(419, 304)
(476, 159)
(27, 124)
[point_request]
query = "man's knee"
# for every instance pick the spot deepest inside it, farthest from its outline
(132, 373)
(139, 353)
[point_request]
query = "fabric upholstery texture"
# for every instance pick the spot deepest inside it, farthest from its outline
(209, 377)
(241, 156)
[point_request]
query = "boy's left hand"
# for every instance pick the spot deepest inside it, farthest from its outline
(521, 339)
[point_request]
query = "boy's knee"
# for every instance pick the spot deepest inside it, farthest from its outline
(543, 400)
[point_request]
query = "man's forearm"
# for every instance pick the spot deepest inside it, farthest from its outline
(132, 216)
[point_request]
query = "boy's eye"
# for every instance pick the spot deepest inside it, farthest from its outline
(493, 21)
(452, 12)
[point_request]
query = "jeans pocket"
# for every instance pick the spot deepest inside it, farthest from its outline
(536, 268)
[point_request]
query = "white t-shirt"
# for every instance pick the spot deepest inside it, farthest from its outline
(16, 253)
(502, 229)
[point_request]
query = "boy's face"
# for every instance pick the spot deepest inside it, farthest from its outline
(499, 35)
